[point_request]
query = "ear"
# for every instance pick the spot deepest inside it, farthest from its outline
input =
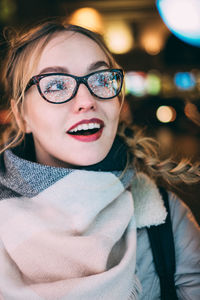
(19, 118)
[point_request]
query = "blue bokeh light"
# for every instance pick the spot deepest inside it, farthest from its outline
(182, 17)
(184, 81)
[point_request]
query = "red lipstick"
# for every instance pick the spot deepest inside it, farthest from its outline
(87, 137)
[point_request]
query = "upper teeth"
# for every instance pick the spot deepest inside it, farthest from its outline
(85, 127)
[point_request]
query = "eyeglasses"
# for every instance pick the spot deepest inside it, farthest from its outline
(61, 87)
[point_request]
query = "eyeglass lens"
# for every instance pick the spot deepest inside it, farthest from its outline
(59, 88)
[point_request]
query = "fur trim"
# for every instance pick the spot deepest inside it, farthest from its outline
(149, 206)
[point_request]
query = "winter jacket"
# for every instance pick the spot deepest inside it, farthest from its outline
(187, 252)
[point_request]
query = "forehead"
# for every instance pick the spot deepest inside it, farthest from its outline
(71, 50)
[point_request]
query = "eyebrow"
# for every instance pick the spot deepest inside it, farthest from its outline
(57, 69)
(97, 65)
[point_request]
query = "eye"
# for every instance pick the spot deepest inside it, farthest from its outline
(55, 86)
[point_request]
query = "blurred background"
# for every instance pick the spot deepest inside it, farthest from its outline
(162, 65)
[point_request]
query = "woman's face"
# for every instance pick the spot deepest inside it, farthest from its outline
(52, 124)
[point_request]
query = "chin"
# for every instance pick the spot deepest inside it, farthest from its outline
(89, 161)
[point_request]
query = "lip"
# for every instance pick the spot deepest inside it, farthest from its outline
(88, 138)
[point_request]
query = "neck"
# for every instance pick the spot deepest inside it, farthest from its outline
(116, 159)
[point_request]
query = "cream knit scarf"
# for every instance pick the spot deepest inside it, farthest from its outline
(75, 240)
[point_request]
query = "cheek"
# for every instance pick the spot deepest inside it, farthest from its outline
(114, 111)
(39, 116)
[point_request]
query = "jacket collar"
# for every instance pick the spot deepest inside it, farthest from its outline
(149, 205)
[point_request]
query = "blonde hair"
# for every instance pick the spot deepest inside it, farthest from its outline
(23, 56)
(145, 158)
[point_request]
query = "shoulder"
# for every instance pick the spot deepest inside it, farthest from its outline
(150, 208)
(186, 229)
(186, 233)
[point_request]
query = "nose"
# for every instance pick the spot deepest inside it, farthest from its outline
(84, 100)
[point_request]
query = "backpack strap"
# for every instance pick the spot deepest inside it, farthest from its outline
(162, 245)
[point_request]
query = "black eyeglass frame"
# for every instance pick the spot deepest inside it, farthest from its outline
(35, 80)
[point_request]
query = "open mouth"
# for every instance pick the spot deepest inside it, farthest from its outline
(85, 132)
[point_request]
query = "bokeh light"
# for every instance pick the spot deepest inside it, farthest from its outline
(7, 10)
(166, 114)
(135, 83)
(87, 17)
(152, 42)
(168, 86)
(183, 18)
(153, 84)
(118, 37)
(191, 111)
(184, 80)
(153, 36)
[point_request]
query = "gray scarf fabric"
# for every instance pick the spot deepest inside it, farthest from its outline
(20, 176)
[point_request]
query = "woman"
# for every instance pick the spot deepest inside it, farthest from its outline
(74, 196)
